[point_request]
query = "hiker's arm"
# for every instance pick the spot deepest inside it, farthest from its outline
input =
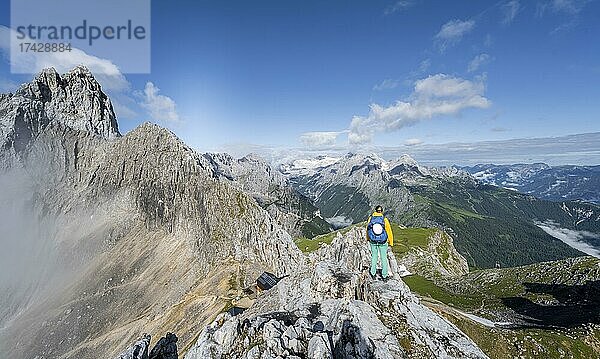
(388, 229)
(367, 228)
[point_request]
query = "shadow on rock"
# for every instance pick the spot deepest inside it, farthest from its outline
(576, 305)
(352, 344)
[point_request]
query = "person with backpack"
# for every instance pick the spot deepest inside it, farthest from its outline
(379, 234)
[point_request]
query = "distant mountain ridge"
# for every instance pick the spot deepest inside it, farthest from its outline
(555, 183)
(491, 226)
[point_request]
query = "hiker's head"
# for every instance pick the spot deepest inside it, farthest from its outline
(379, 209)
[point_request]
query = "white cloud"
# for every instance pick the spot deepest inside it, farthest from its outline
(161, 108)
(339, 221)
(568, 11)
(582, 149)
(433, 96)
(319, 139)
(452, 32)
(386, 84)
(510, 10)
(576, 239)
(413, 142)
(398, 6)
(478, 61)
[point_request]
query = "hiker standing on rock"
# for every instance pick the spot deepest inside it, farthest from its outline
(379, 234)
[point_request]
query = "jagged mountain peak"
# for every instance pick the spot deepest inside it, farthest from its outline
(74, 100)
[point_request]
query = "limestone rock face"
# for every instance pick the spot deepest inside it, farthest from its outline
(74, 100)
(439, 259)
(332, 309)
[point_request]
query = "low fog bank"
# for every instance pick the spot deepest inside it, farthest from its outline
(587, 242)
(42, 253)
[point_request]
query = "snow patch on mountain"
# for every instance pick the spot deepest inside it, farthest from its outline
(307, 166)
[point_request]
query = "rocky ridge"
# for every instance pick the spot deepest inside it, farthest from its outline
(333, 309)
(438, 259)
(74, 100)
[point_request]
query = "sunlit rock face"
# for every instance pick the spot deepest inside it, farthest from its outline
(333, 309)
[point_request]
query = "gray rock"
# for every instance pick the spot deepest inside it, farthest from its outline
(319, 347)
(139, 349)
(334, 309)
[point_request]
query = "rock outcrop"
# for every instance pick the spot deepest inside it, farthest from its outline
(333, 309)
(165, 348)
(139, 349)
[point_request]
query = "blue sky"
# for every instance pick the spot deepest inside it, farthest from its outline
(341, 75)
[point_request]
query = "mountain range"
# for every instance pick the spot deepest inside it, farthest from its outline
(112, 239)
(492, 226)
(555, 183)
(108, 238)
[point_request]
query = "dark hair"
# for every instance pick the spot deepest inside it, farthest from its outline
(378, 209)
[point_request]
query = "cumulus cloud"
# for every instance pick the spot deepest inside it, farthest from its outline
(319, 139)
(452, 32)
(386, 84)
(435, 95)
(510, 10)
(478, 61)
(161, 108)
(413, 142)
(398, 6)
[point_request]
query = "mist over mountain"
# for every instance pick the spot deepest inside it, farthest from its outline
(119, 232)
